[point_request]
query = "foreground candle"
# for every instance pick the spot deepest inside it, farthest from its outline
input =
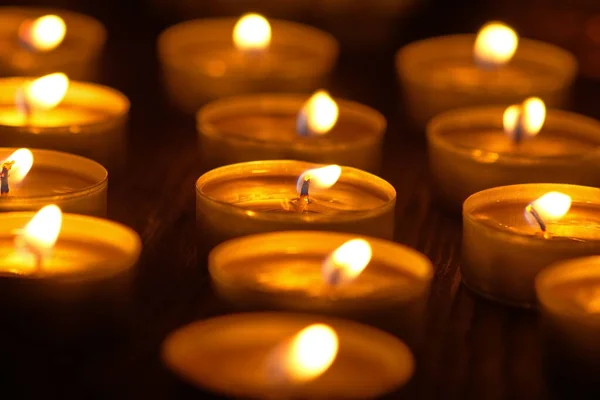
(55, 266)
(37, 41)
(333, 273)
(202, 62)
(473, 149)
(569, 295)
(280, 355)
(495, 67)
(55, 113)
(265, 196)
(285, 126)
(30, 179)
(511, 233)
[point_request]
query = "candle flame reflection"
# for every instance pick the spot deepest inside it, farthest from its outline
(495, 45)
(318, 115)
(525, 120)
(321, 178)
(347, 262)
(550, 207)
(307, 355)
(252, 32)
(43, 34)
(22, 161)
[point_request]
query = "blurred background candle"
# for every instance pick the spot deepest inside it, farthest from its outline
(569, 296)
(495, 67)
(58, 271)
(262, 355)
(52, 112)
(287, 126)
(511, 233)
(39, 177)
(375, 281)
(266, 196)
(38, 41)
(210, 58)
(478, 148)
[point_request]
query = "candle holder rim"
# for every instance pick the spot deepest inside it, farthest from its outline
(567, 60)
(468, 208)
(356, 329)
(554, 275)
(45, 199)
(359, 110)
(120, 116)
(436, 135)
(390, 191)
(128, 263)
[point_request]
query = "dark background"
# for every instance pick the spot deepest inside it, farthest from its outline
(473, 349)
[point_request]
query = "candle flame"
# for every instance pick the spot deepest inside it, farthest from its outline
(44, 93)
(308, 354)
(43, 34)
(318, 115)
(549, 208)
(322, 178)
(347, 262)
(526, 119)
(41, 233)
(495, 45)
(22, 161)
(252, 32)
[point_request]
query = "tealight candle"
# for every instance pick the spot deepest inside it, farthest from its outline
(569, 296)
(278, 355)
(38, 41)
(511, 233)
(478, 148)
(31, 179)
(369, 279)
(55, 113)
(285, 126)
(265, 196)
(202, 62)
(54, 264)
(495, 67)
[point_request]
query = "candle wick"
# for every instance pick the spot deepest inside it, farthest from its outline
(334, 278)
(537, 217)
(304, 200)
(519, 130)
(4, 174)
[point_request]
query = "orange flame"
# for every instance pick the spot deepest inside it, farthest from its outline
(347, 262)
(496, 44)
(527, 118)
(43, 34)
(21, 162)
(43, 93)
(321, 178)
(318, 115)
(549, 208)
(252, 32)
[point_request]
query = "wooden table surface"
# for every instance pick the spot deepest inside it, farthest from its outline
(473, 348)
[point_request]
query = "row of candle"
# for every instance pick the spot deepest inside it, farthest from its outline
(502, 252)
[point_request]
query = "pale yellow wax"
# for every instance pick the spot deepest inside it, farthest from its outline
(44, 181)
(460, 74)
(547, 143)
(63, 115)
(278, 194)
(300, 274)
(68, 258)
(581, 223)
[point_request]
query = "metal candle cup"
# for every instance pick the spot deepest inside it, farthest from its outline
(77, 56)
(569, 297)
(261, 196)
(263, 127)
(469, 152)
(503, 251)
(76, 184)
(201, 63)
(229, 355)
(439, 74)
(284, 271)
(90, 121)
